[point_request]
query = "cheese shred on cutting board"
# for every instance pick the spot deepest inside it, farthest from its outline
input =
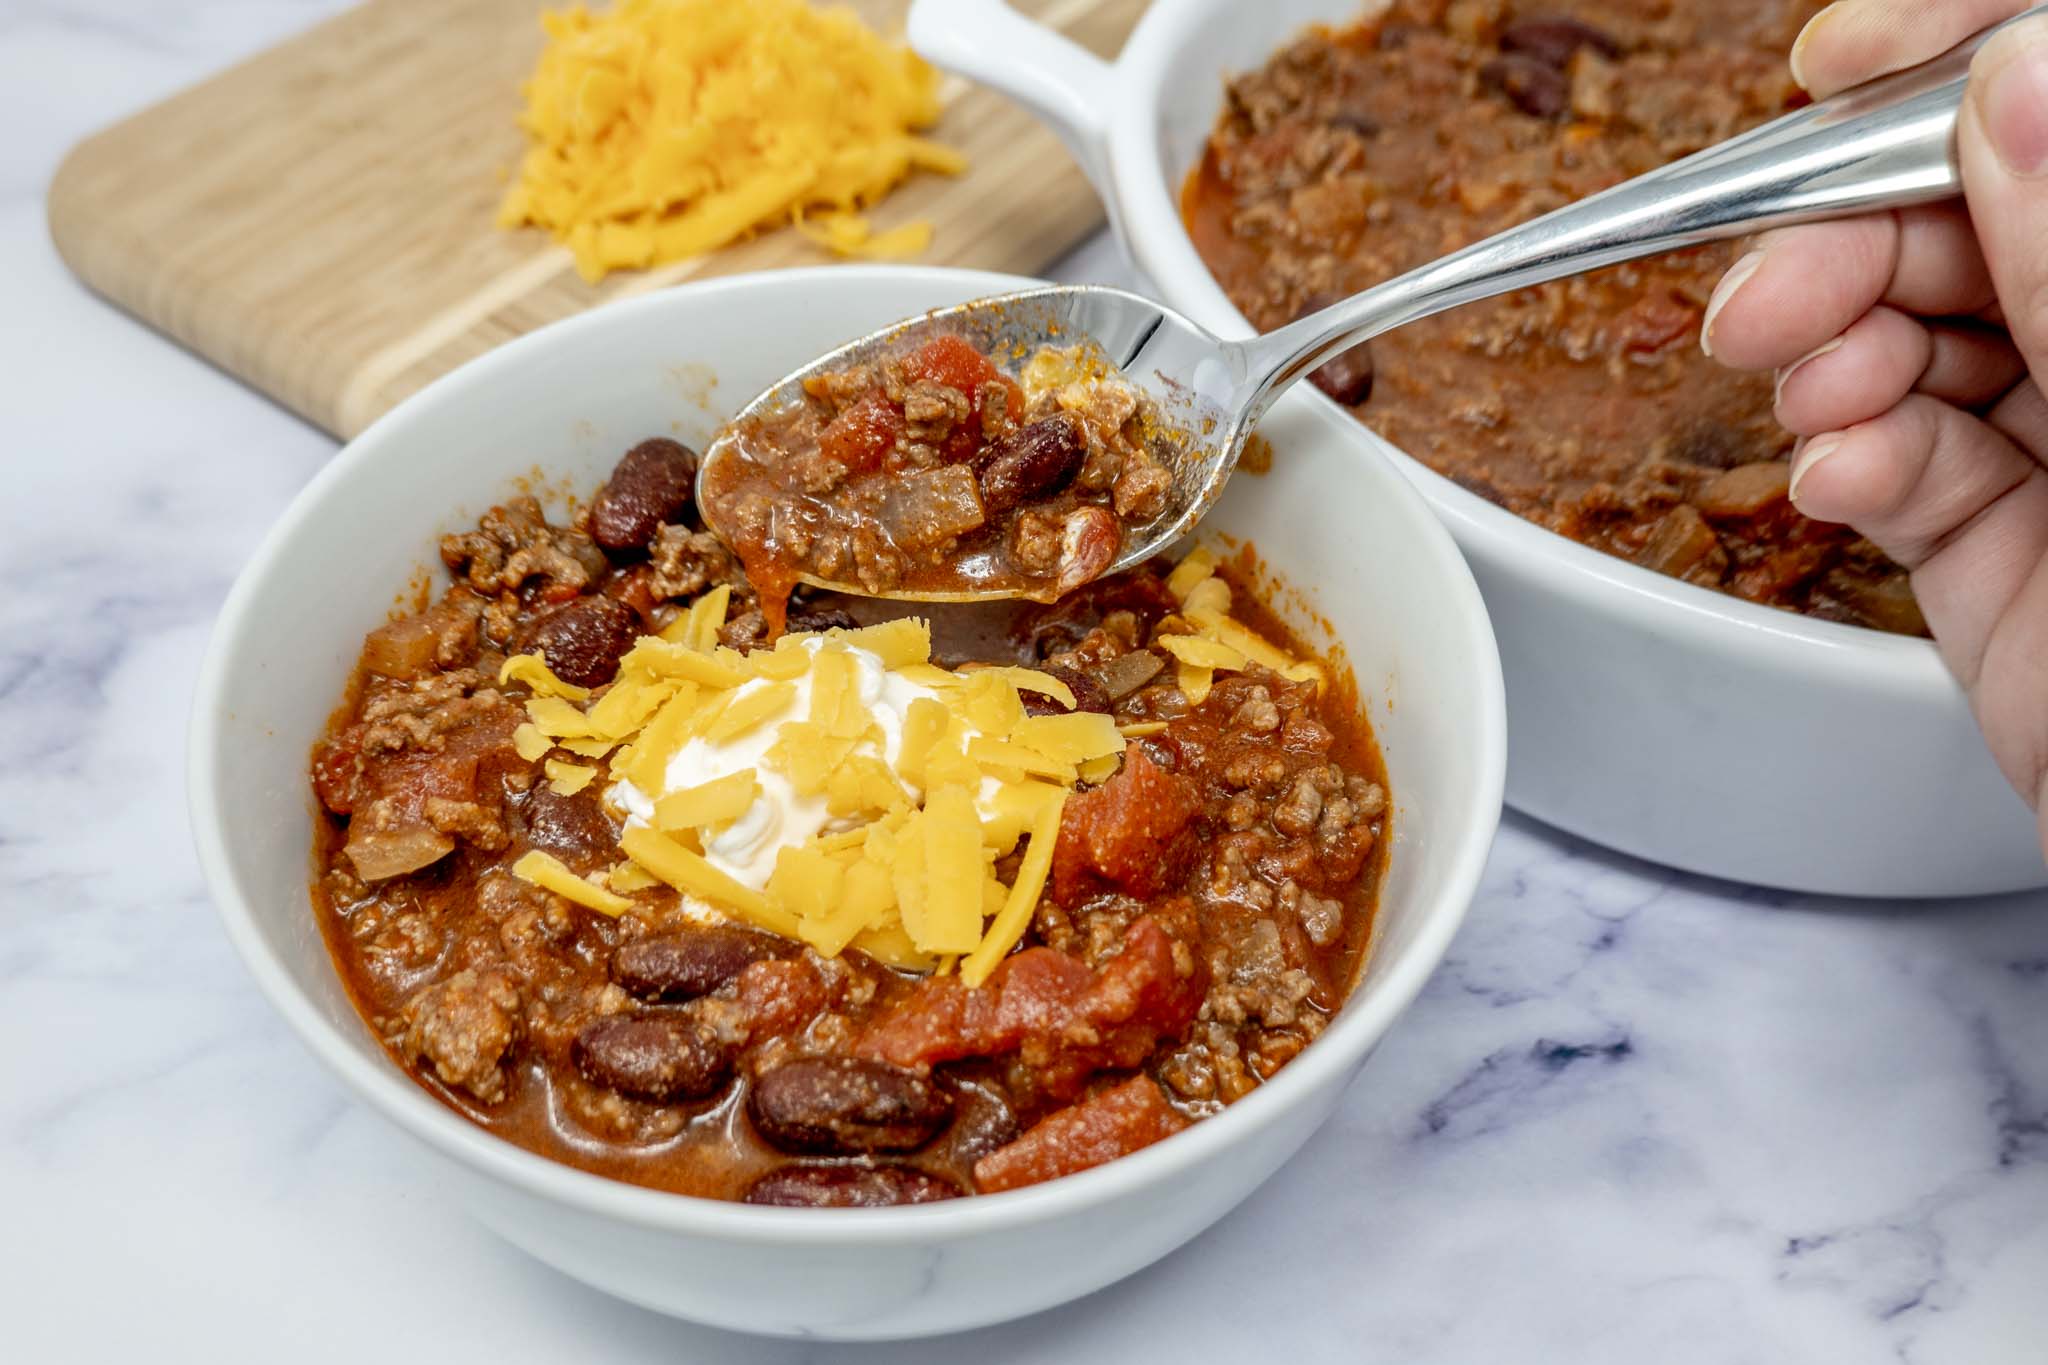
(661, 129)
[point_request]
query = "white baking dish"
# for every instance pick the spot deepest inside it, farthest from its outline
(1644, 713)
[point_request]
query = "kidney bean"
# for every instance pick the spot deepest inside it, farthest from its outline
(582, 639)
(664, 1058)
(1537, 89)
(573, 828)
(986, 1122)
(652, 486)
(690, 962)
(1089, 540)
(1553, 38)
(1032, 461)
(843, 1105)
(1346, 376)
(1089, 695)
(848, 1187)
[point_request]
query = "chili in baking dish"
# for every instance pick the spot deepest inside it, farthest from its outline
(1586, 405)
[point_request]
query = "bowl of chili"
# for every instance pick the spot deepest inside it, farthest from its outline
(1349, 563)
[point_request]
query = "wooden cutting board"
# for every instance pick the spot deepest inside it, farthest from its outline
(320, 219)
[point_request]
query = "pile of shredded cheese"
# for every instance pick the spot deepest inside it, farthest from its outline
(666, 128)
(917, 811)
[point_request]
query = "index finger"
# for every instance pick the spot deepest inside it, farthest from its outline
(1853, 41)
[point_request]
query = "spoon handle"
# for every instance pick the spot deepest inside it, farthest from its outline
(1884, 145)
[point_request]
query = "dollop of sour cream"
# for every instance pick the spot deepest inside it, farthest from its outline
(780, 816)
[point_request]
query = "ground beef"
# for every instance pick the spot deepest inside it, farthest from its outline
(1141, 490)
(687, 563)
(931, 411)
(514, 544)
(420, 716)
(463, 1027)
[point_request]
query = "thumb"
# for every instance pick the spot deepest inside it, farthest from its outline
(2002, 138)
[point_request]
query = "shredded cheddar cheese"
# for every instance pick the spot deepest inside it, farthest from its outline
(1216, 643)
(842, 790)
(1197, 568)
(529, 743)
(661, 129)
(533, 670)
(568, 778)
(548, 872)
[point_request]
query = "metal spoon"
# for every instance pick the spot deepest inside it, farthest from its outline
(1884, 145)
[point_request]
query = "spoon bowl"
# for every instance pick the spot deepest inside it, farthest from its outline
(1183, 368)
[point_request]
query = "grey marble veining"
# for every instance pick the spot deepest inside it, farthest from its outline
(1636, 1116)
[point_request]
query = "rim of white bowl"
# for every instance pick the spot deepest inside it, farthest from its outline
(376, 1080)
(1871, 660)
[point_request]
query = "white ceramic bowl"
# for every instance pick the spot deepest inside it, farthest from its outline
(1658, 718)
(1348, 533)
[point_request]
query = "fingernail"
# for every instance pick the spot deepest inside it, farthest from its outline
(1815, 354)
(1798, 57)
(1737, 276)
(1810, 454)
(2013, 102)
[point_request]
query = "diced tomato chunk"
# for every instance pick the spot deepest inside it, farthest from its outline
(951, 361)
(779, 996)
(1069, 1021)
(862, 436)
(1134, 833)
(1042, 989)
(634, 587)
(940, 1021)
(1101, 1128)
(1144, 993)
(338, 770)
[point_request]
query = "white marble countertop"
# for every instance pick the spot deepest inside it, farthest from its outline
(1637, 1116)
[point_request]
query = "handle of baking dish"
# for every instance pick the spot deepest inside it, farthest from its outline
(1051, 75)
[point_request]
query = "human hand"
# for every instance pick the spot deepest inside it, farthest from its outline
(1911, 349)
